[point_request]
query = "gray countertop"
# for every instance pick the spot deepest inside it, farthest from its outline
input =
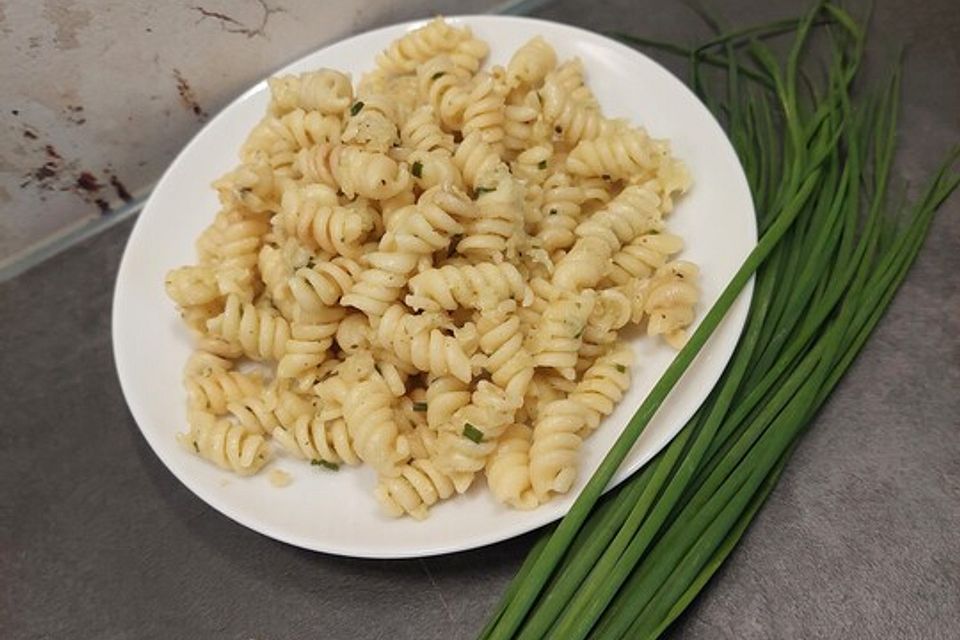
(861, 539)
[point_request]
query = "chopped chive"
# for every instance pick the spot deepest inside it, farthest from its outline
(326, 465)
(355, 109)
(482, 190)
(542, 165)
(196, 447)
(553, 212)
(621, 368)
(470, 432)
(438, 74)
(419, 406)
(417, 169)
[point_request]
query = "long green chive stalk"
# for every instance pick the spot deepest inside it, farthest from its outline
(818, 154)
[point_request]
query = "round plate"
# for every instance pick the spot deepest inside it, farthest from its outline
(336, 512)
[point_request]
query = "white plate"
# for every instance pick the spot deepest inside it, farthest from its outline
(336, 512)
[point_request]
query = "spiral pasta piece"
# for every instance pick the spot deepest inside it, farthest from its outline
(406, 53)
(603, 385)
(508, 468)
(318, 288)
(259, 332)
(555, 447)
(477, 160)
(425, 347)
(611, 312)
(282, 137)
(434, 169)
(620, 153)
(318, 440)
(469, 54)
(445, 87)
(571, 119)
(521, 117)
(497, 229)
(368, 412)
(307, 348)
(326, 91)
(480, 286)
(645, 254)
(417, 487)
(531, 63)
(314, 216)
(561, 208)
(508, 361)
(556, 340)
(192, 285)
(421, 131)
(484, 111)
(445, 396)
(368, 174)
(633, 212)
(372, 123)
(436, 218)
(225, 444)
(670, 297)
(464, 444)
(381, 285)
(217, 387)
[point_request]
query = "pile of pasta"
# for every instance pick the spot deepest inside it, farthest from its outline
(435, 268)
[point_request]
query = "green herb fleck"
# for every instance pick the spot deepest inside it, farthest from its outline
(196, 447)
(553, 212)
(606, 176)
(419, 406)
(621, 368)
(542, 165)
(326, 465)
(579, 333)
(355, 109)
(437, 75)
(472, 433)
(482, 190)
(417, 169)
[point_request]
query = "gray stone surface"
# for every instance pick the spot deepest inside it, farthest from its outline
(860, 539)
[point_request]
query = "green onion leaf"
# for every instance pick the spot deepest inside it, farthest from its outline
(417, 169)
(419, 406)
(470, 432)
(355, 109)
(326, 465)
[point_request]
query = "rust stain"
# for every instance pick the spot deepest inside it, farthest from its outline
(67, 21)
(187, 97)
(120, 188)
(88, 182)
(57, 175)
(229, 24)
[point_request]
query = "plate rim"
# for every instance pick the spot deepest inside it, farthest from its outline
(208, 496)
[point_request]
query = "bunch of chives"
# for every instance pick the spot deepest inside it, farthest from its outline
(832, 253)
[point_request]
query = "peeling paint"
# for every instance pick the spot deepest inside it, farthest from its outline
(67, 21)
